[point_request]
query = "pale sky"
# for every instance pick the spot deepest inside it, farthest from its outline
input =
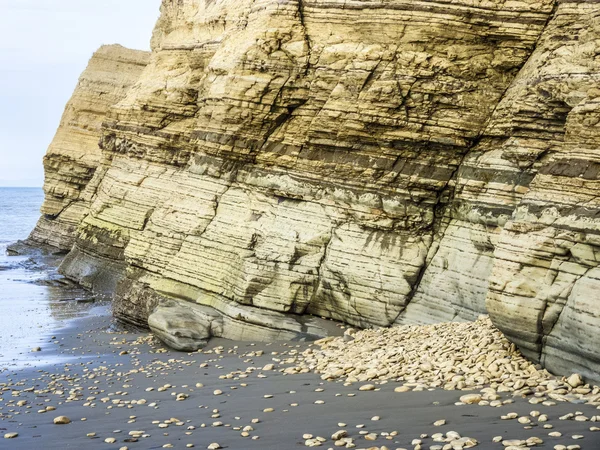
(44, 47)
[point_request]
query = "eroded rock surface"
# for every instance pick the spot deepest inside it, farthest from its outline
(293, 162)
(371, 162)
(183, 327)
(74, 155)
(545, 279)
(186, 326)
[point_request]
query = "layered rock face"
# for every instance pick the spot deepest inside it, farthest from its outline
(523, 230)
(371, 162)
(545, 280)
(74, 155)
(293, 156)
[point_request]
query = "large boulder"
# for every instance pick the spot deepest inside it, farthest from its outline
(184, 327)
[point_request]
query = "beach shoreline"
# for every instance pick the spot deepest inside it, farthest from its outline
(112, 383)
(36, 302)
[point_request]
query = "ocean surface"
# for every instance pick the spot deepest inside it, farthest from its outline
(19, 211)
(34, 299)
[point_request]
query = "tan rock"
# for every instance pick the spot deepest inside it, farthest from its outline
(575, 380)
(303, 166)
(471, 399)
(62, 420)
(74, 155)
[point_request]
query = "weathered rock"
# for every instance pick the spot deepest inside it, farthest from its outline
(470, 399)
(521, 233)
(284, 174)
(74, 155)
(62, 420)
(377, 163)
(185, 328)
(545, 278)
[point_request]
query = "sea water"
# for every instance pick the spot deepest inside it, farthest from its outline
(34, 300)
(19, 211)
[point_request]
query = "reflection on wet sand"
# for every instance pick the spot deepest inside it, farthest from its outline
(35, 301)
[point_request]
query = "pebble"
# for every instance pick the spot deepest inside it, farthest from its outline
(439, 356)
(62, 420)
(575, 380)
(524, 381)
(339, 435)
(367, 387)
(402, 389)
(471, 399)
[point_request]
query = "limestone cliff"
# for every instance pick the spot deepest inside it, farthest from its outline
(523, 232)
(74, 155)
(374, 162)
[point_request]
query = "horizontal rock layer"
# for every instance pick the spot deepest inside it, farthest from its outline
(371, 162)
(545, 278)
(74, 155)
(521, 242)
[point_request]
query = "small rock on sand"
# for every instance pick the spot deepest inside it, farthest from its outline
(62, 420)
(575, 380)
(471, 399)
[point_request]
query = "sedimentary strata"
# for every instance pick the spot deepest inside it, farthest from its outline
(292, 162)
(371, 162)
(522, 239)
(74, 155)
(545, 279)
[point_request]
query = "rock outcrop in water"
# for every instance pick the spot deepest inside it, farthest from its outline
(367, 161)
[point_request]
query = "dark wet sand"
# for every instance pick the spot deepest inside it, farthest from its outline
(35, 301)
(87, 345)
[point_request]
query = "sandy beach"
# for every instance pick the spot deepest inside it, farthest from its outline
(121, 389)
